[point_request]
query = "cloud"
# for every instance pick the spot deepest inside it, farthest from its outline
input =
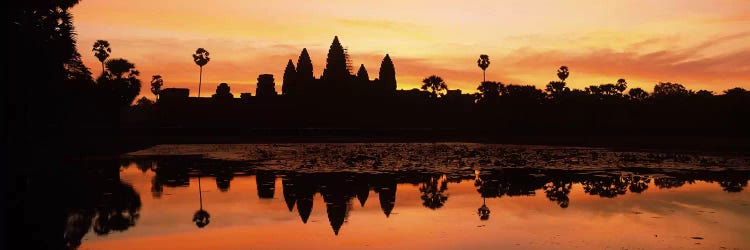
(687, 65)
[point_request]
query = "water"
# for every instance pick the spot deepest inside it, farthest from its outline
(416, 196)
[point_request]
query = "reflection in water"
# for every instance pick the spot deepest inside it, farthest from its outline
(108, 205)
(201, 218)
(340, 189)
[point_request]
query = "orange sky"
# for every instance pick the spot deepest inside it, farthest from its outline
(703, 44)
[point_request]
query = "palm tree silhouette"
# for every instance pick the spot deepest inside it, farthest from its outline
(201, 217)
(483, 62)
(101, 51)
(156, 83)
(563, 73)
(484, 211)
(435, 85)
(200, 58)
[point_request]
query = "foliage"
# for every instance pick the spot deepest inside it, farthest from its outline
(120, 81)
(435, 85)
(156, 82)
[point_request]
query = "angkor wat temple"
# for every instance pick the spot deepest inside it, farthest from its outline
(337, 78)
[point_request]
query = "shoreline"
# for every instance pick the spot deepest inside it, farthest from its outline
(133, 140)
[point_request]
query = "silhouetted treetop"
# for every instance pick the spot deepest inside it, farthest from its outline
(607, 90)
(668, 89)
(118, 67)
(637, 94)
(704, 93)
(523, 94)
(489, 91)
(120, 80)
(483, 62)
(101, 51)
(563, 73)
(435, 85)
(201, 57)
(156, 83)
(737, 92)
(362, 73)
(557, 89)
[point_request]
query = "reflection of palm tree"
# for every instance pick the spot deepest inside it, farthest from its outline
(201, 59)
(433, 192)
(484, 211)
(201, 217)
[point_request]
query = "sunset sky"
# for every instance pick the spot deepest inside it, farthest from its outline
(703, 44)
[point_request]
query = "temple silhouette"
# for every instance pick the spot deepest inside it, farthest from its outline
(338, 80)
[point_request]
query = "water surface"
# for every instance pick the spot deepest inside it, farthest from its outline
(417, 196)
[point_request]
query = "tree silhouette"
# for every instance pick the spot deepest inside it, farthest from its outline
(621, 85)
(563, 73)
(433, 192)
(557, 88)
(668, 89)
(558, 191)
(489, 91)
(120, 81)
(637, 94)
(483, 62)
(156, 83)
(201, 59)
(737, 92)
(101, 51)
(435, 85)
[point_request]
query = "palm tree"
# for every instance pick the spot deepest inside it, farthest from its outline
(563, 73)
(101, 51)
(200, 58)
(483, 62)
(435, 85)
(156, 83)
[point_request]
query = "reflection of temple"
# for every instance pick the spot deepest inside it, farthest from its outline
(340, 189)
(266, 183)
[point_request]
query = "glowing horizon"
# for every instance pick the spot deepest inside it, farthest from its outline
(700, 44)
